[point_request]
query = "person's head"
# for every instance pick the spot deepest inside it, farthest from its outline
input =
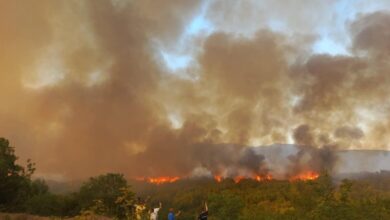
(171, 210)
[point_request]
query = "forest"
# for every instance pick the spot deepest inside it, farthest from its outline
(113, 196)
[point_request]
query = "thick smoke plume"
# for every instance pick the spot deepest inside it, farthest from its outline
(311, 156)
(84, 89)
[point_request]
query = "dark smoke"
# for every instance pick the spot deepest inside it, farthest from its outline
(311, 156)
(255, 162)
(85, 90)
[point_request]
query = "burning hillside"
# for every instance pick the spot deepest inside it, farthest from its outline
(308, 175)
(158, 180)
(241, 162)
(304, 176)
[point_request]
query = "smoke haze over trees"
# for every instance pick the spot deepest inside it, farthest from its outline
(87, 82)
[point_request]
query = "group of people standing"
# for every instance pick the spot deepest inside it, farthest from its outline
(140, 208)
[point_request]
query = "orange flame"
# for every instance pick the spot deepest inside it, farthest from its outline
(263, 178)
(237, 179)
(217, 178)
(158, 180)
(307, 175)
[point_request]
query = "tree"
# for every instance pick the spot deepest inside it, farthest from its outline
(39, 187)
(45, 204)
(126, 203)
(15, 183)
(110, 193)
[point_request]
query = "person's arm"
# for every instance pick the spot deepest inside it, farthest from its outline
(205, 206)
(178, 213)
(160, 205)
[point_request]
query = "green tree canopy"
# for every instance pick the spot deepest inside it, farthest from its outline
(15, 183)
(103, 193)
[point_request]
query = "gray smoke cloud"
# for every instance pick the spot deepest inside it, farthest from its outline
(85, 90)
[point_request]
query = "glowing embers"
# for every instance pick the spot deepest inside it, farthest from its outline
(159, 180)
(264, 178)
(303, 176)
(238, 179)
(218, 178)
(306, 175)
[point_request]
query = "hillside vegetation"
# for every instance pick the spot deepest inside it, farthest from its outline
(111, 195)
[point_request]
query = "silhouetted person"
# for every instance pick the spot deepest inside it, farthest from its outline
(205, 213)
(172, 215)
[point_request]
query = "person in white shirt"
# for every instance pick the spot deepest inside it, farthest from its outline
(154, 212)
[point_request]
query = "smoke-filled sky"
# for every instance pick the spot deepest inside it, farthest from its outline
(171, 87)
